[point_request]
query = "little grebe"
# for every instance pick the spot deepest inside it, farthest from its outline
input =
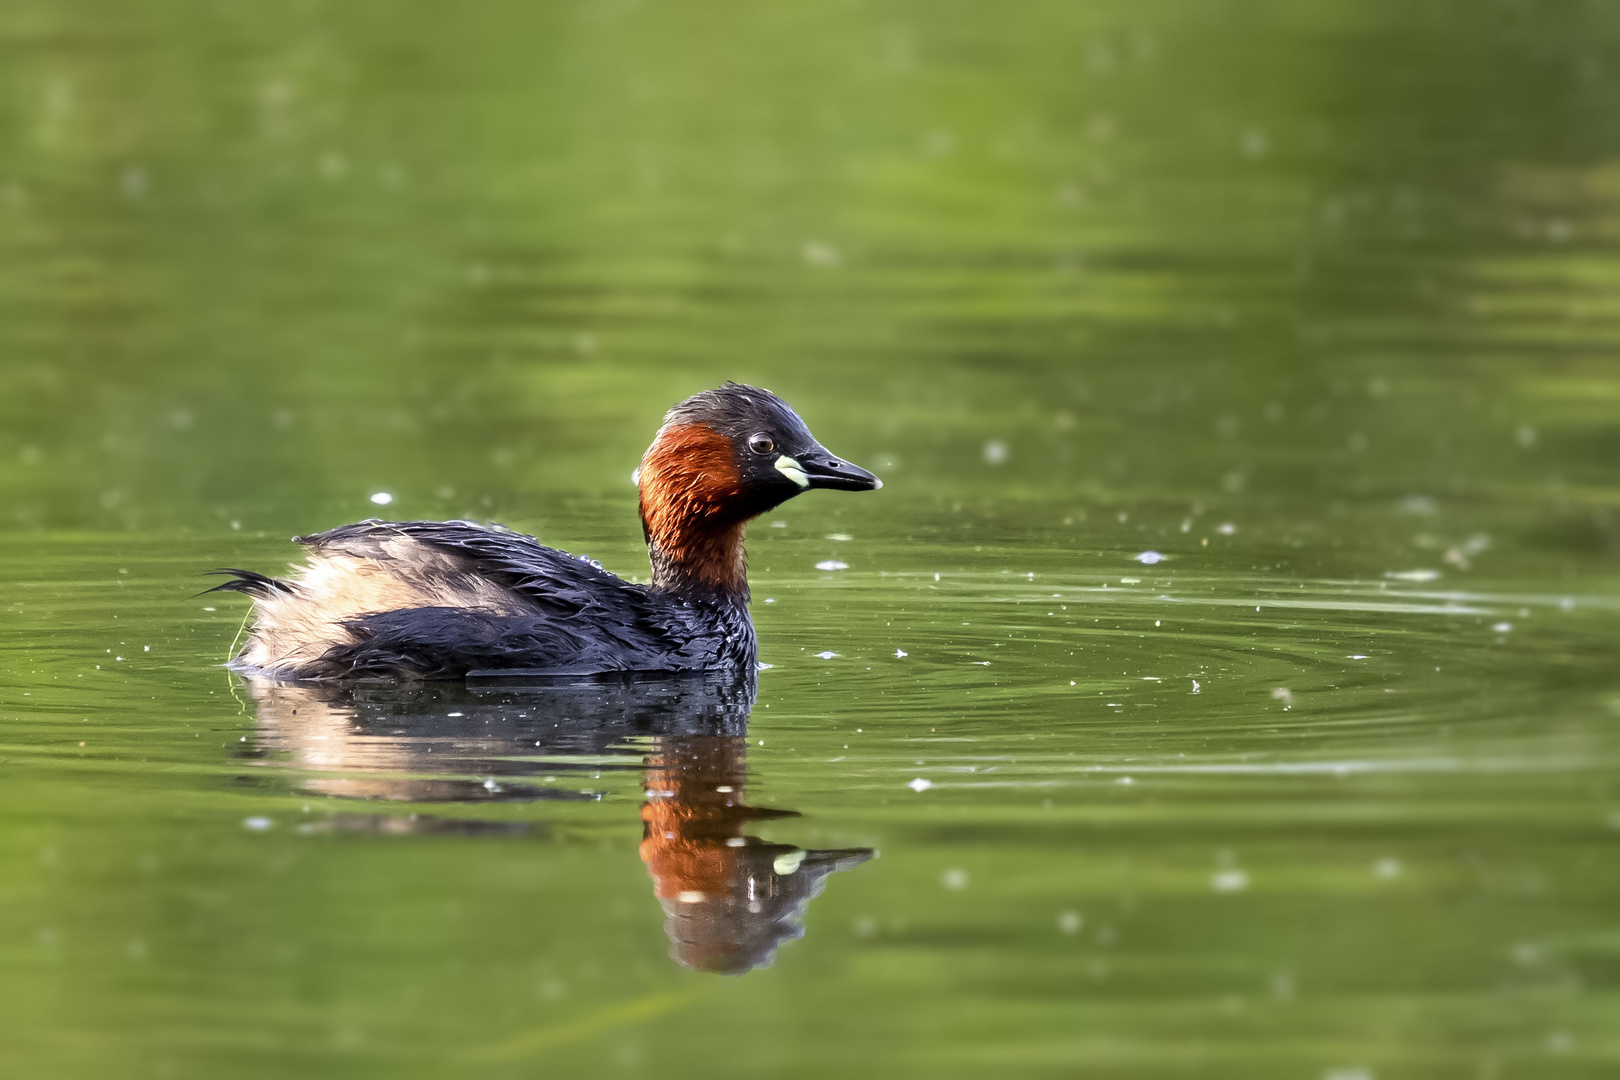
(440, 599)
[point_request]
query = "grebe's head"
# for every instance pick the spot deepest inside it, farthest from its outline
(727, 455)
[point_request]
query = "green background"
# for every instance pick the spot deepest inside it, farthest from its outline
(1329, 285)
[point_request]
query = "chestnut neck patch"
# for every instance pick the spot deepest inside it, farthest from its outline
(691, 495)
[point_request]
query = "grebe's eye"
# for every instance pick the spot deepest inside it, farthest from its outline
(761, 443)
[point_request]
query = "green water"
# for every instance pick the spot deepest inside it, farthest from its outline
(1317, 299)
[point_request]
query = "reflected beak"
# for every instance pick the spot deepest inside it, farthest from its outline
(817, 468)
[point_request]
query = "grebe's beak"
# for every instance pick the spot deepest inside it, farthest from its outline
(818, 469)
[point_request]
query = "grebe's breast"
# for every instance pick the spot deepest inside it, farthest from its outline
(442, 599)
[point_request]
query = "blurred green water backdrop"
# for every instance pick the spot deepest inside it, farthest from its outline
(1315, 299)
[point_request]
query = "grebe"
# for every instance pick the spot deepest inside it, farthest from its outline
(441, 599)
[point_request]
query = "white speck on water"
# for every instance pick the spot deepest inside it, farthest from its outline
(1149, 558)
(827, 654)
(491, 786)
(1387, 868)
(210, 609)
(258, 824)
(1196, 687)
(1282, 694)
(936, 577)
(1127, 781)
(1355, 656)
(980, 663)
(900, 654)
(382, 498)
(920, 785)
(1503, 627)
(1115, 704)
(817, 253)
(778, 524)
(1226, 881)
(995, 452)
(1419, 506)
(454, 714)
(1413, 575)
(839, 536)
(1130, 581)
(1348, 1074)
(955, 879)
(770, 599)
(1070, 922)
(1226, 528)
(832, 564)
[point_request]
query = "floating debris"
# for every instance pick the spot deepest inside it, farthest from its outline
(839, 536)
(818, 253)
(920, 785)
(1149, 558)
(832, 564)
(828, 655)
(258, 824)
(1413, 575)
(900, 654)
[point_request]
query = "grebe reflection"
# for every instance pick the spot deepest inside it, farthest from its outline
(730, 899)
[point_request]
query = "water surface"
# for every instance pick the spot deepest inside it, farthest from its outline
(1223, 682)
